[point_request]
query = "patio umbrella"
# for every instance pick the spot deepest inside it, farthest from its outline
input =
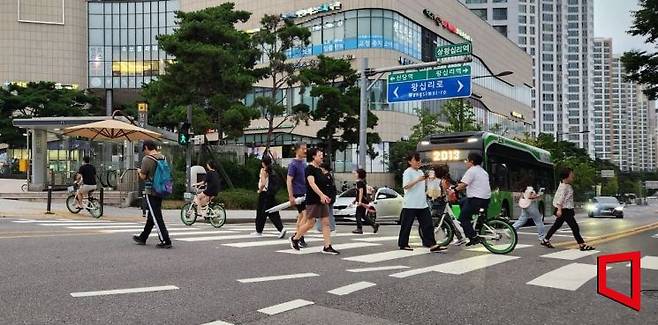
(111, 130)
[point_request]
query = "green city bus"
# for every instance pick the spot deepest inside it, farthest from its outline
(510, 165)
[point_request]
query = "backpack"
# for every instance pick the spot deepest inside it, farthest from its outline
(162, 183)
(274, 183)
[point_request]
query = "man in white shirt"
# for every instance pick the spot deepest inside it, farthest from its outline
(478, 193)
(415, 206)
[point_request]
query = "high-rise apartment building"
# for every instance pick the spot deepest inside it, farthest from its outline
(602, 109)
(558, 35)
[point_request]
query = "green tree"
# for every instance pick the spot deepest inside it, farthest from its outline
(428, 124)
(275, 38)
(460, 116)
(333, 83)
(642, 66)
(213, 72)
(41, 99)
(610, 187)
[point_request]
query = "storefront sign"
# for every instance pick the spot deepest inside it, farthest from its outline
(517, 115)
(313, 10)
(446, 25)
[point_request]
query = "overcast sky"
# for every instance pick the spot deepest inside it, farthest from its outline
(612, 18)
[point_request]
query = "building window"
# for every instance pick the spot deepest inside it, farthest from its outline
(475, 1)
(482, 13)
(523, 29)
(500, 13)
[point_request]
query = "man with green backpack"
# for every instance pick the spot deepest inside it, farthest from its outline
(156, 174)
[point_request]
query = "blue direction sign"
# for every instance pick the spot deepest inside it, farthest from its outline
(445, 83)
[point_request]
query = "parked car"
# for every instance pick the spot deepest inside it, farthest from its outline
(386, 205)
(605, 205)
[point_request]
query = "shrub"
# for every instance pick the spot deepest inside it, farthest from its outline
(238, 199)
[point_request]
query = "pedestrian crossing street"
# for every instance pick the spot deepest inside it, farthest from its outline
(369, 250)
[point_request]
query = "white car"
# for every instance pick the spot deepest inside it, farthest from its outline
(387, 205)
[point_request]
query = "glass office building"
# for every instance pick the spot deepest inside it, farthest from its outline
(123, 49)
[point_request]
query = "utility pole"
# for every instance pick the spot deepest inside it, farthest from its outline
(188, 154)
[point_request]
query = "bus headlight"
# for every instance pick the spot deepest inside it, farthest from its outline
(424, 143)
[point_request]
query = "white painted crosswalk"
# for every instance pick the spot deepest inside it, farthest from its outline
(460, 266)
(318, 249)
(570, 254)
(386, 256)
(569, 277)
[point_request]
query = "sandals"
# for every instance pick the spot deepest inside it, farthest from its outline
(586, 248)
(406, 248)
(547, 244)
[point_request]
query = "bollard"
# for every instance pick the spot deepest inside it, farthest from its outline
(50, 199)
(102, 199)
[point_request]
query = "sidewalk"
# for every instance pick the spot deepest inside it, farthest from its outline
(37, 210)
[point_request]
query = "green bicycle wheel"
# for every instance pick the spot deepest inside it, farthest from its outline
(217, 215)
(188, 214)
(95, 208)
(498, 236)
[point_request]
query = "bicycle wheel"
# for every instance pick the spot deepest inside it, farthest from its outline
(217, 215)
(24, 187)
(498, 236)
(188, 214)
(444, 233)
(70, 204)
(94, 208)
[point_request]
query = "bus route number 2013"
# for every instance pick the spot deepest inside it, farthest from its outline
(446, 155)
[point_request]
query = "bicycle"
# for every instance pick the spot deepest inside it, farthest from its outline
(90, 203)
(215, 215)
(497, 235)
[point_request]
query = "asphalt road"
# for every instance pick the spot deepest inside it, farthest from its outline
(53, 271)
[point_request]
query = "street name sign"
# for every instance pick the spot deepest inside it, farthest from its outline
(446, 51)
(434, 84)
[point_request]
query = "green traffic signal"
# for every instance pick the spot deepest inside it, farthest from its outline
(184, 134)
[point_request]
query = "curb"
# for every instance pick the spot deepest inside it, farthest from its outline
(610, 237)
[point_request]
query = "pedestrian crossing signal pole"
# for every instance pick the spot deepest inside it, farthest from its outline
(188, 151)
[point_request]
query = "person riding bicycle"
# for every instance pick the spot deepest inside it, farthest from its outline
(211, 184)
(86, 180)
(478, 193)
(447, 196)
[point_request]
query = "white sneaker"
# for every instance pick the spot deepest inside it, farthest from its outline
(460, 242)
(257, 234)
(282, 234)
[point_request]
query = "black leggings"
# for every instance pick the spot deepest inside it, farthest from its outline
(265, 202)
(361, 213)
(568, 216)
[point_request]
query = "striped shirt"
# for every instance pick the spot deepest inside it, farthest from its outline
(564, 196)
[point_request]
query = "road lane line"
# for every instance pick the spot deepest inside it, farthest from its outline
(278, 277)
(485, 250)
(379, 268)
(286, 306)
(213, 238)
(382, 238)
(61, 221)
(569, 277)
(72, 224)
(318, 249)
(570, 254)
(648, 263)
(267, 242)
(386, 256)
(122, 291)
(218, 322)
(535, 234)
(350, 288)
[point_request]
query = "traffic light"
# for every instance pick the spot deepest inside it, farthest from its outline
(184, 134)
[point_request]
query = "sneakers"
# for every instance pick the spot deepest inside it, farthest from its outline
(460, 242)
(375, 228)
(437, 248)
(330, 250)
(257, 234)
(294, 243)
(163, 245)
(302, 242)
(474, 241)
(282, 234)
(357, 231)
(138, 240)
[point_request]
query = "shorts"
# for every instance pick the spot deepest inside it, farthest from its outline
(302, 206)
(85, 189)
(317, 211)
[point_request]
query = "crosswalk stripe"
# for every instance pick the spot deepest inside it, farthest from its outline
(213, 238)
(648, 263)
(379, 268)
(460, 266)
(382, 238)
(535, 234)
(318, 249)
(278, 277)
(386, 256)
(218, 322)
(140, 228)
(654, 236)
(267, 243)
(122, 291)
(104, 227)
(350, 288)
(188, 233)
(485, 250)
(85, 224)
(570, 254)
(333, 235)
(286, 306)
(61, 221)
(569, 277)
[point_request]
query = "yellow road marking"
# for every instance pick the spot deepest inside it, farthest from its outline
(610, 237)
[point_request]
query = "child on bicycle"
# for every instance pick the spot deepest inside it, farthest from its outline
(210, 185)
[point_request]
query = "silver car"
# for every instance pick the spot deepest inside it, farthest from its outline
(605, 205)
(386, 206)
